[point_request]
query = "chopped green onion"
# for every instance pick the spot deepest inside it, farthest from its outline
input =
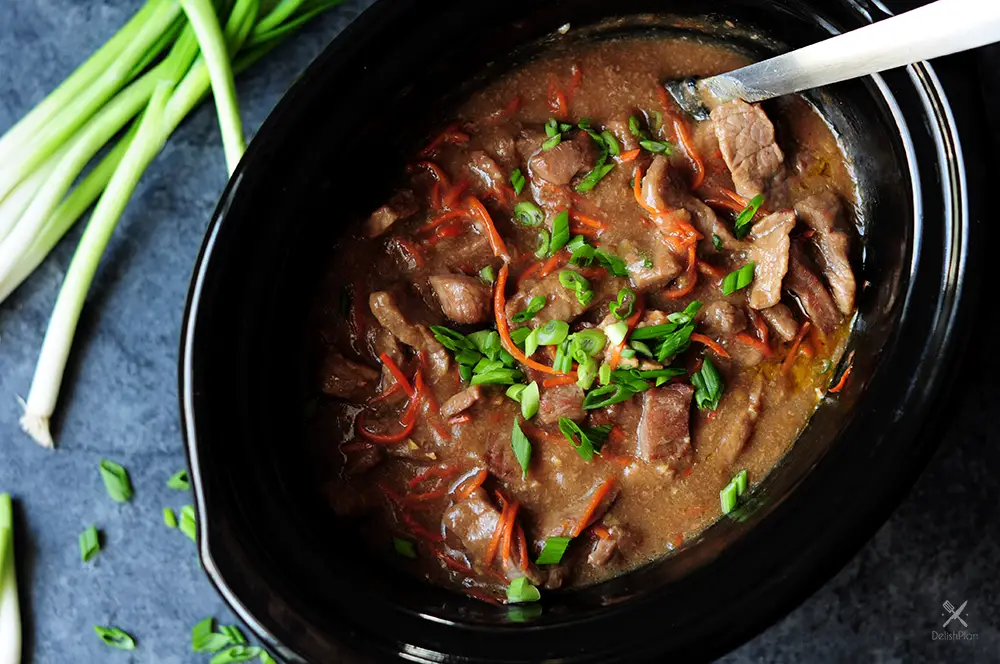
(738, 279)
(529, 401)
(574, 280)
(542, 244)
(635, 127)
(631, 380)
(687, 315)
(586, 372)
(604, 373)
(583, 253)
(616, 332)
(641, 348)
(628, 353)
(591, 179)
(450, 339)
(519, 335)
(584, 297)
(188, 524)
(236, 654)
(551, 127)
(204, 638)
(674, 343)
(591, 342)
(488, 274)
(234, 634)
(657, 120)
(404, 548)
(746, 215)
(535, 304)
(560, 231)
(89, 544)
(468, 356)
(266, 658)
(551, 142)
(521, 590)
(658, 147)
(728, 498)
(531, 342)
(716, 242)
(554, 332)
(708, 386)
(114, 637)
(615, 265)
(591, 439)
(528, 214)
(179, 481)
(621, 308)
(116, 481)
(607, 395)
(741, 482)
(522, 448)
(515, 391)
(10, 611)
(497, 377)
(465, 372)
(169, 518)
(553, 550)
(609, 140)
(517, 180)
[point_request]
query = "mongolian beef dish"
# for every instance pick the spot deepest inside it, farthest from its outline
(584, 325)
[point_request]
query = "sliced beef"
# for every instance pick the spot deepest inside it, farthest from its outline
(346, 378)
(463, 299)
(722, 319)
(706, 222)
(820, 213)
(567, 524)
(359, 460)
(781, 320)
(665, 427)
(461, 401)
(746, 139)
(382, 341)
(402, 205)
(485, 174)
(563, 162)
(653, 270)
(658, 188)
(561, 401)
(743, 409)
(769, 250)
(499, 142)
(811, 293)
(560, 302)
(528, 142)
(387, 312)
(619, 127)
(605, 548)
(473, 521)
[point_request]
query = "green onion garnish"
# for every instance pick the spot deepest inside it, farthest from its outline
(169, 518)
(607, 395)
(614, 148)
(497, 377)
(114, 637)
(535, 304)
(553, 550)
(591, 179)
(551, 142)
(521, 590)
(560, 231)
(738, 279)
(204, 638)
(517, 180)
(404, 548)
(586, 372)
(521, 446)
(531, 342)
(543, 244)
(716, 242)
(604, 373)
(528, 214)
(515, 391)
(179, 481)
(488, 274)
(741, 482)
(658, 147)
(728, 497)
(529, 399)
(745, 216)
(237, 654)
(234, 634)
(188, 524)
(591, 439)
(573, 280)
(554, 332)
(708, 386)
(621, 308)
(519, 335)
(591, 342)
(616, 332)
(89, 544)
(116, 481)
(635, 128)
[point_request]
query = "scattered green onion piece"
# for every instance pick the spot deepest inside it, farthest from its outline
(573, 280)
(560, 231)
(465, 372)
(552, 333)
(515, 391)
(485, 365)
(517, 181)
(586, 372)
(522, 448)
(585, 297)
(497, 377)
(179, 481)
(543, 244)
(592, 341)
(746, 215)
(236, 654)
(716, 242)
(204, 638)
(597, 174)
(741, 482)
(404, 548)
(89, 544)
(528, 214)
(553, 550)
(450, 339)
(570, 429)
(488, 274)
(687, 315)
(628, 353)
(635, 127)
(535, 304)
(551, 142)
(641, 348)
(521, 591)
(674, 343)
(738, 279)
(530, 401)
(468, 356)
(621, 308)
(657, 120)
(616, 332)
(607, 395)
(116, 481)
(728, 498)
(169, 518)
(708, 386)
(611, 142)
(583, 253)
(531, 342)
(234, 633)
(265, 658)
(658, 147)
(519, 335)
(114, 637)
(615, 265)
(551, 127)
(604, 373)
(188, 524)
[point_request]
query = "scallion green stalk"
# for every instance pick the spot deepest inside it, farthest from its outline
(10, 611)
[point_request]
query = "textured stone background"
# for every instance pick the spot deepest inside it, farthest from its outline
(120, 403)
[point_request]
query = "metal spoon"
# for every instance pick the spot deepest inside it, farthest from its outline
(940, 28)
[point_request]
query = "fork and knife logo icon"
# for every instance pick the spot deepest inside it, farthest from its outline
(956, 614)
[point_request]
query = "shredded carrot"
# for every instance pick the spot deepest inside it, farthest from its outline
(450, 134)
(676, 227)
(503, 328)
(631, 322)
(508, 534)
(453, 228)
(491, 551)
(460, 419)
(528, 273)
(844, 376)
(691, 278)
(631, 155)
(710, 270)
(793, 351)
(587, 221)
(637, 191)
(443, 219)
(522, 545)
(680, 129)
(575, 80)
(412, 524)
(753, 342)
(435, 170)
(586, 231)
(465, 489)
(385, 394)
(426, 395)
(725, 204)
(496, 242)
(807, 349)
(408, 421)
(736, 198)
(549, 266)
(711, 343)
(588, 515)
(616, 356)
(600, 531)
(560, 380)
(462, 569)
(424, 497)
(433, 471)
(453, 196)
(557, 100)
(397, 373)
(761, 327)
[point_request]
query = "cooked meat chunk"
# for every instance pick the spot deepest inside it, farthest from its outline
(658, 186)
(741, 411)
(561, 303)
(654, 270)
(606, 547)
(746, 139)
(463, 299)
(529, 142)
(619, 128)
(561, 401)
(769, 251)
(567, 524)
(461, 401)
(473, 521)
(346, 378)
(485, 174)
(563, 162)
(811, 293)
(820, 213)
(387, 312)
(722, 319)
(361, 459)
(781, 320)
(706, 222)
(499, 142)
(402, 205)
(665, 427)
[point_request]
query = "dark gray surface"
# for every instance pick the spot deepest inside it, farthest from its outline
(121, 403)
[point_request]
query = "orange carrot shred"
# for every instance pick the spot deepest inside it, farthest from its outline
(793, 351)
(844, 376)
(724, 203)
(600, 531)
(587, 221)
(549, 266)
(522, 545)
(442, 219)
(435, 170)
(508, 534)
(691, 277)
(397, 373)
(433, 471)
(425, 394)
(496, 242)
(680, 129)
(599, 495)
(385, 394)
(503, 328)
(528, 273)
(465, 489)
(711, 343)
(628, 156)
(491, 551)
(560, 380)
(745, 338)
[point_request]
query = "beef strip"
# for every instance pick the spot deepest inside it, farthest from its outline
(746, 402)
(560, 302)
(820, 213)
(485, 174)
(769, 251)
(566, 523)
(812, 295)
(465, 300)
(722, 319)
(402, 205)
(605, 548)
(781, 320)
(561, 401)
(746, 139)
(386, 311)
(563, 162)
(653, 270)
(461, 401)
(499, 142)
(346, 378)
(664, 430)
